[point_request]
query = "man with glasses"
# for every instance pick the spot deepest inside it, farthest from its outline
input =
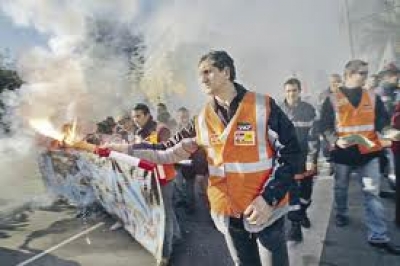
(354, 111)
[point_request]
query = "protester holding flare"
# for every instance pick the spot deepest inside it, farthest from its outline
(251, 149)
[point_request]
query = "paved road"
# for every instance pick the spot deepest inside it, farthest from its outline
(31, 233)
(26, 234)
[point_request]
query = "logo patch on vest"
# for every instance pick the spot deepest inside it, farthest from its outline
(341, 102)
(245, 138)
(244, 126)
(215, 140)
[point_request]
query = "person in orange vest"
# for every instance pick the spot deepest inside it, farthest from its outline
(303, 117)
(152, 132)
(354, 111)
(251, 149)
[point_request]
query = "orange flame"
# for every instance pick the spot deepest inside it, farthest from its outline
(44, 127)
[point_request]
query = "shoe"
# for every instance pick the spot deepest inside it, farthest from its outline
(388, 247)
(163, 262)
(341, 220)
(305, 222)
(295, 234)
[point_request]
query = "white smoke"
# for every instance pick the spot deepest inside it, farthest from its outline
(86, 70)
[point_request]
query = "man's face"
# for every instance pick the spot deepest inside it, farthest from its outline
(334, 83)
(292, 93)
(359, 77)
(161, 109)
(140, 118)
(211, 78)
(391, 79)
(182, 117)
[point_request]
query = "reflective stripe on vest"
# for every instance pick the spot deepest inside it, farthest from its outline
(356, 120)
(351, 129)
(303, 123)
(161, 172)
(264, 162)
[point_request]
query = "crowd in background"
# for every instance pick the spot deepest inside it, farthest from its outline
(310, 121)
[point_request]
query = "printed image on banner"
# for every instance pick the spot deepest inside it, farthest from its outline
(130, 194)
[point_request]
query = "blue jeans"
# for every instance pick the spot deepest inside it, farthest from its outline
(369, 178)
(266, 248)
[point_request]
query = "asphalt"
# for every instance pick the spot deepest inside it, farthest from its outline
(28, 230)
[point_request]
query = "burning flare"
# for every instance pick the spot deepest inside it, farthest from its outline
(67, 136)
(44, 127)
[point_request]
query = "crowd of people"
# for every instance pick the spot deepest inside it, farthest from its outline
(255, 159)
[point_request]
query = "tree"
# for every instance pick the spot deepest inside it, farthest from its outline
(9, 80)
(376, 30)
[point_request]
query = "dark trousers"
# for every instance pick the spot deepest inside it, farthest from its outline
(265, 248)
(300, 192)
(397, 172)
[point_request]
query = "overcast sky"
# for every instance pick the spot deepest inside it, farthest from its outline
(17, 38)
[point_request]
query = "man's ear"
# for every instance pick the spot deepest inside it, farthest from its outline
(227, 72)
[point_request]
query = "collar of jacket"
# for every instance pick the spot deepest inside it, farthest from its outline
(240, 92)
(149, 127)
(292, 106)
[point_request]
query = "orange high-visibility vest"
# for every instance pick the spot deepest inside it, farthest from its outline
(240, 156)
(360, 120)
(165, 172)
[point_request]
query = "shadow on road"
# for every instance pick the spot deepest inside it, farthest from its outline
(13, 257)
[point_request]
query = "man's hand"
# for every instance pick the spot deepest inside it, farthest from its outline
(258, 212)
(311, 167)
(342, 143)
(392, 134)
(386, 143)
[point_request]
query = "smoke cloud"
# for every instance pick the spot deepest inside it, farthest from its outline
(104, 56)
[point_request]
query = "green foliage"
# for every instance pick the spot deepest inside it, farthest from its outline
(9, 79)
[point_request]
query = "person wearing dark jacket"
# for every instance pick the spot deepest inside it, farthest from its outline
(389, 86)
(303, 116)
(189, 172)
(153, 132)
(354, 111)
(251, 150)
(388, 91)
(396, 153)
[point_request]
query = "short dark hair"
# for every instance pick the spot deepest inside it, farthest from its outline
(183, 109)
(390, 70)
(221, 59)
(293, 81)
(142, 107)
(335, 75)
(163, 105)
(354, 66)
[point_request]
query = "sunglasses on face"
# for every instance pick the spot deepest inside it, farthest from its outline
(363, 73)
